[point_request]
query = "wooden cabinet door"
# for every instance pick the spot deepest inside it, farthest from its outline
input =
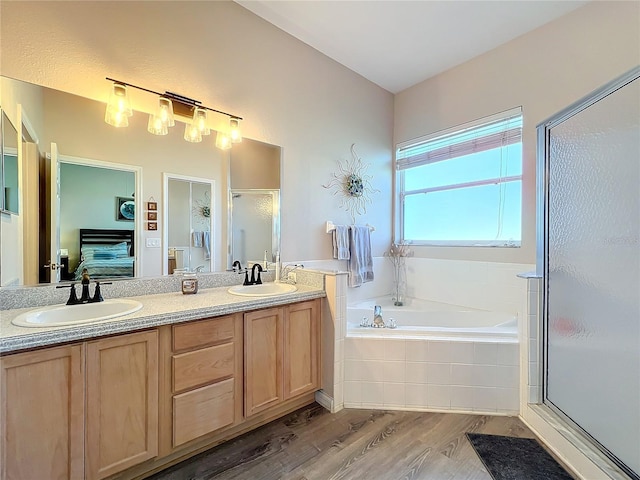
(42, 414)
(301, 338)
(263, 356)
(122, 403)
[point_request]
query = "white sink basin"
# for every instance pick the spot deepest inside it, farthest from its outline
(264, 290)
(60, 315)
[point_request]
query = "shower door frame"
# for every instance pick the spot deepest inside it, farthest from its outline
(568, 428)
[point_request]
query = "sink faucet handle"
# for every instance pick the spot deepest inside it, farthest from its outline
(97, 295)
(73, 299)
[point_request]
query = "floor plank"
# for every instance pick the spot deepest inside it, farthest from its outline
(312, 444)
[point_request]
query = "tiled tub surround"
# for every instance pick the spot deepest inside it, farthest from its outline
(158, 309)
(436, 375)
(469, 373)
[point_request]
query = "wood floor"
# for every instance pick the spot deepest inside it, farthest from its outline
(312, 444)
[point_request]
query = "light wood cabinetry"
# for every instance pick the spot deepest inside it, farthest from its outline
(46, 430)
(122, 402)
(127, 405)
(263, 356)
(206, 377)
(281, 354)
(301, 351)
(42, 414)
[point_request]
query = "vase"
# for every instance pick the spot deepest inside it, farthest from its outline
(399, 281)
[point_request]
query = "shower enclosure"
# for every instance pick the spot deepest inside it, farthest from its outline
(589, 254)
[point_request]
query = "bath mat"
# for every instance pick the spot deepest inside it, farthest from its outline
(513, 458)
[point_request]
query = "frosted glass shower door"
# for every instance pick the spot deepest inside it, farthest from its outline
(593, 272)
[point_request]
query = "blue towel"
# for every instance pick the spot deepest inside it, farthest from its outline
(360, 261)
(341, 242)
(206, 240)
(197, 239)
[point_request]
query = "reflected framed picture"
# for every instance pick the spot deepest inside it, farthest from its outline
(152, 226)
(152, 205)
(125, 209)
(152, 216)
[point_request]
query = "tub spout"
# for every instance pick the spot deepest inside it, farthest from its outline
(377, 317)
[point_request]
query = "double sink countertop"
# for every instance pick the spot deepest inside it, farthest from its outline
(160, 309)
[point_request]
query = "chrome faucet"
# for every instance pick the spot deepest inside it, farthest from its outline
(287, 270)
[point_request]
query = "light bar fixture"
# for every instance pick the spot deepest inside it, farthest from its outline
(119, 110)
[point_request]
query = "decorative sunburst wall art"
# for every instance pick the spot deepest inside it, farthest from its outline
(201, 210)
(353, 184)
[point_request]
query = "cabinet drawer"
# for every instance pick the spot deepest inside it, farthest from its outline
(202, 366)
(202, 411)
(202, 333)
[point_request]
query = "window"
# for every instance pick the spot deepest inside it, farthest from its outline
(463, 186)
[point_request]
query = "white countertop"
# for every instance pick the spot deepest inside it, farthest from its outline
(160, 309)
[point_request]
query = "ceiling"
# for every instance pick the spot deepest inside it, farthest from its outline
(397, 44)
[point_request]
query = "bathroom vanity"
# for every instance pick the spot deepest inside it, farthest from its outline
(179, 376)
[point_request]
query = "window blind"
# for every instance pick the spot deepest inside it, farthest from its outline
(465, 141)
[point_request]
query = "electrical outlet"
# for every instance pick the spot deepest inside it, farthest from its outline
(153, 243)
(292, 277)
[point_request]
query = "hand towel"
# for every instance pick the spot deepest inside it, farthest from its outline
(360, 262)
(206, 240)
(197, 239)
(341, 242)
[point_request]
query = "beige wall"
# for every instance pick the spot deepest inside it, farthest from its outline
(543, 71)
(223, 55)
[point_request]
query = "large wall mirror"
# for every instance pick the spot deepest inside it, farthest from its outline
(73, 194)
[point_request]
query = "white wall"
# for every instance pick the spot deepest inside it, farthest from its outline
(543, 71)
(228, 58)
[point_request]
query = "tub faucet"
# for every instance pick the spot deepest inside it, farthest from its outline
(378, 322)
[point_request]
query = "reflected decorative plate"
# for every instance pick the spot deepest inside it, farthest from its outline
(128, 209)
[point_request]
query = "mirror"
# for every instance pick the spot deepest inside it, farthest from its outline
(96, 214)
(188, 205)
(76, 126)
(255, 225)
(9, 167)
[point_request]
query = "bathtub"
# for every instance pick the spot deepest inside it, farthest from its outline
(423, 318)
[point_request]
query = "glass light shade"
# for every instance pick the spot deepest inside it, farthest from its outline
(200, 120)
(117, 119)
(223, 142)
(234, 132)
(157, 126)
(192, 133)
(165, 111)
(119, 100)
